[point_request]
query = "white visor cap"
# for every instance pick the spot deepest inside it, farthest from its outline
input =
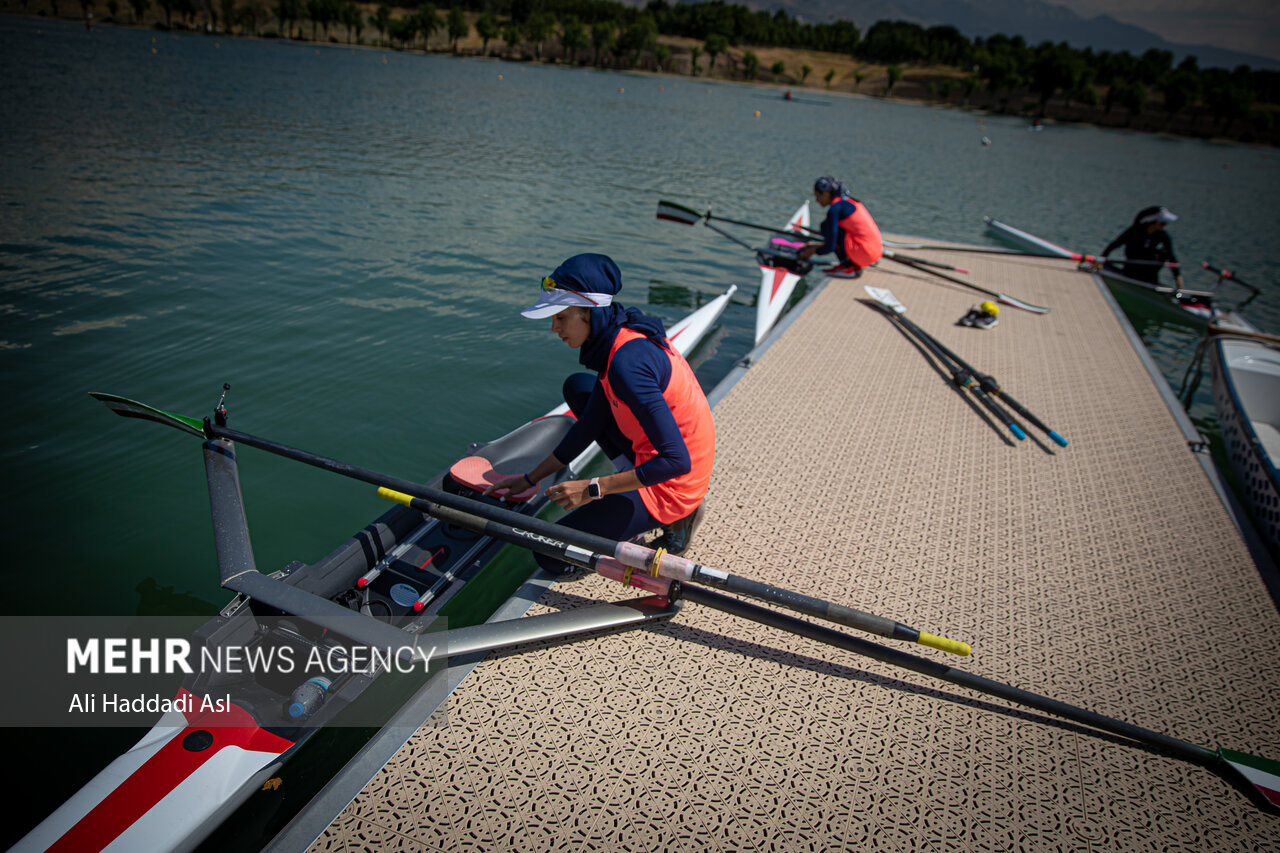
(555, 301)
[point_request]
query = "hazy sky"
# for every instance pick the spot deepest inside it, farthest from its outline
(1248, 25)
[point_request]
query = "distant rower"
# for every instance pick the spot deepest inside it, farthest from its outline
(848, 230)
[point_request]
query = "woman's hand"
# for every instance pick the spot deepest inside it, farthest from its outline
(807, 252)
(507, 487)
(570, 494)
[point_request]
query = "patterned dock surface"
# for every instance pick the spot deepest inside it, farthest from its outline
(1106, 574)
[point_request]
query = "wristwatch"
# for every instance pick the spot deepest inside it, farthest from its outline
(593, 489)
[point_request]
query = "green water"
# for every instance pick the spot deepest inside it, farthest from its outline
(346, 236)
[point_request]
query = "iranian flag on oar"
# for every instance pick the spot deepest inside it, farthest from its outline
(673, 212)
(1262, 773)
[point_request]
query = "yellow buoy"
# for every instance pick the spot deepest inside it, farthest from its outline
(757, 114)
(620, 90)
(153, 50)
(499, 76)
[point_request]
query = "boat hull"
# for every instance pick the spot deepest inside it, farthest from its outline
(1182, 307)
(777, 283)
(188, 774)
(1246, 393)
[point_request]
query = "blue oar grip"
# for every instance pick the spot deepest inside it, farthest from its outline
(1057, 438)
(1017, 431)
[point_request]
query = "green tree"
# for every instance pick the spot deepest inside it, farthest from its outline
(353, 19)
(662, 53)
(858, 77)
(113, 8)
(381, 20)
(895, 74)
(166, 5)
(694, 52)
(456, 25)
(777, 68)
(604, 38)
(750, 64)
(228, 13)
(1134, 98)
(487, 29)
(715, 45)
(945, 88)
(140, 8)
(805, 71)
(1057, 67)
(251, 14)
(513, 35)
(538, 29)
(573, 37)
(429, 23)
(1181, 89)
(287, 11)
(639, 38)
(830, 75)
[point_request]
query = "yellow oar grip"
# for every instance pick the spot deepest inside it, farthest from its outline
(954, 646)
(401, 498)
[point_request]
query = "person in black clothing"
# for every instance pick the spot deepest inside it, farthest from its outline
(1146, 240)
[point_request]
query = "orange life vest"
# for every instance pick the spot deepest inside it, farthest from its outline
(862, 244)
(673, 499)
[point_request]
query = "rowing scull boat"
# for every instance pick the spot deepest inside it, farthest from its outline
(386, 586)
(1194, 307)
(778, 282)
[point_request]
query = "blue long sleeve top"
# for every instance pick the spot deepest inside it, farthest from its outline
(639, 373)
(839, 209)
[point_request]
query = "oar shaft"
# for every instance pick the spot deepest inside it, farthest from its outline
(988, 383)
(1070, 256)
(1002, 297)
(895, 657)
(913, 259)
(553, 543)
(677, 568)
(725, 233)
(798, 228)
(964, 378)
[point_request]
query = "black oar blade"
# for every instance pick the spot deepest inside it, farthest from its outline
(673, 212)
(1262, 773)
(126, 408)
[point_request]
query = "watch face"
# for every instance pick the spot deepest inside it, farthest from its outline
(593, 490)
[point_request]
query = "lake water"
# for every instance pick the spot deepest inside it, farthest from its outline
(346, 236)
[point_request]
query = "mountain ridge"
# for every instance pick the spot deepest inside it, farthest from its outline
(1036, 21)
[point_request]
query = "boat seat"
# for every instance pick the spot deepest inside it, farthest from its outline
(478, 474)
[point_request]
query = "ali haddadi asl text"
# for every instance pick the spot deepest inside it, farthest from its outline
(187, 704)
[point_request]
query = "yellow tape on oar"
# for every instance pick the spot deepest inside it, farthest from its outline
(394, 496)
(942, 643)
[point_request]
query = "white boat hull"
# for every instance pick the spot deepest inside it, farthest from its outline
(777, 283)
(1246, 393)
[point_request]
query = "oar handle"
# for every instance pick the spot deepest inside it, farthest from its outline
(955, 647)
(1229, 275)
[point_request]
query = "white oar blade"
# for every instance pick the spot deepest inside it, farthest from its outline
(673, 212)
(1262, 773)
(886, 298)
(1025, 306)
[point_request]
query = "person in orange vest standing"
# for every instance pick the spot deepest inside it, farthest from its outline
(641, 403)
(848, 230)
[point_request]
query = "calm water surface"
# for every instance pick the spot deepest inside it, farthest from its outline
(347, 235)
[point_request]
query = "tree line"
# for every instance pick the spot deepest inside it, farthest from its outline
(1009, 74)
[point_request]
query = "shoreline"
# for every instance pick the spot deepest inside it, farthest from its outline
(917, 85)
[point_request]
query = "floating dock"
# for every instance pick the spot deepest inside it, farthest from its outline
(1109, 574)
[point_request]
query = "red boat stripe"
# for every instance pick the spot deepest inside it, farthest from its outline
(163, 772)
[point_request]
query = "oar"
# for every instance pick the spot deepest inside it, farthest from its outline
(560, 543)
(673, 212)
(1008, 300)
(987, 382)
(1228, 275)
(636, 556)
(925, 261)
(961, 377)
(1262, 773)
(1069, 256)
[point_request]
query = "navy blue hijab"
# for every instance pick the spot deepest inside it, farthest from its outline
(593, 273)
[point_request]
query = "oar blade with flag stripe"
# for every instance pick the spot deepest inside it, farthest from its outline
(673, 212)
(1262, 773)
(126, 408)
